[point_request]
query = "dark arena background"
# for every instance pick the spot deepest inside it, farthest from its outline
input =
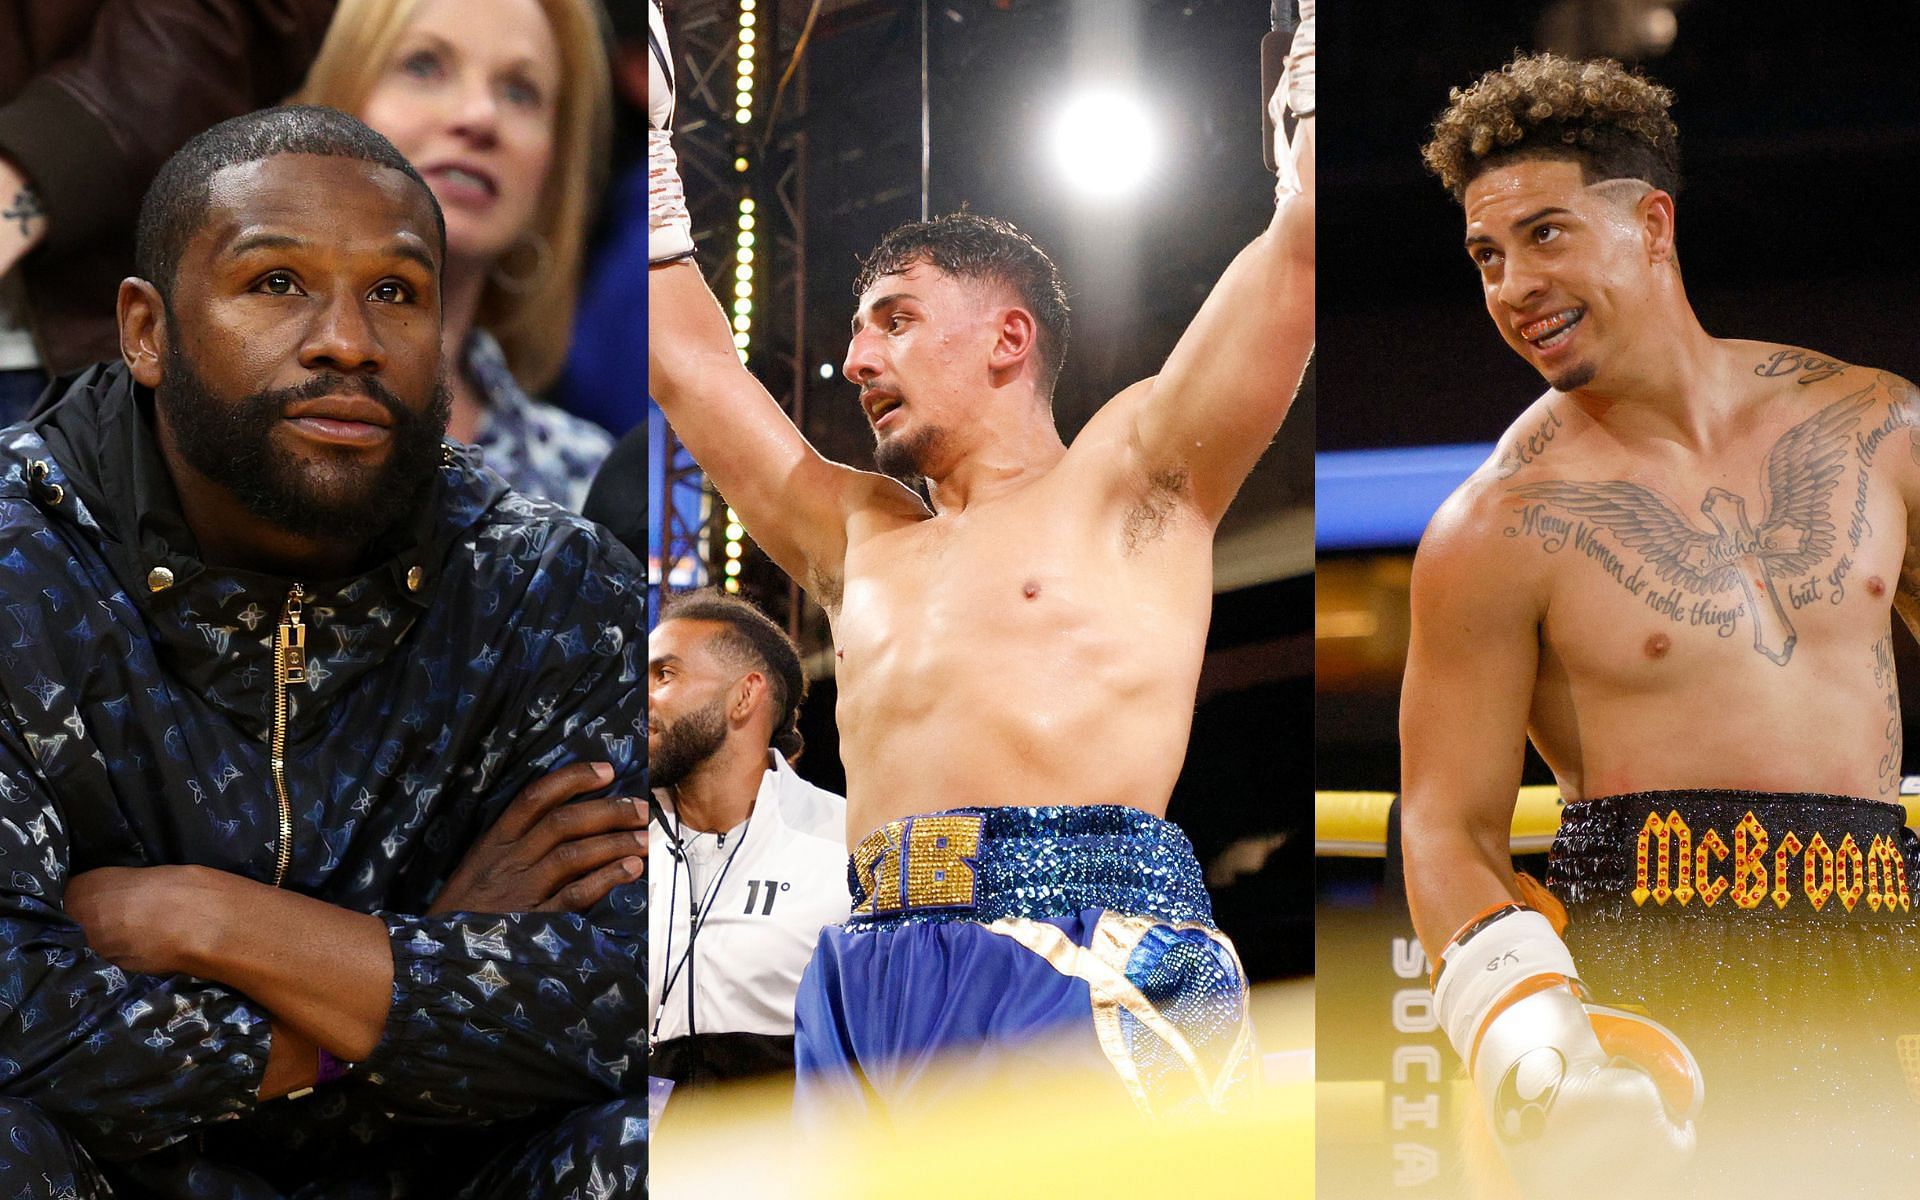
(1799, 135)
(809, 183)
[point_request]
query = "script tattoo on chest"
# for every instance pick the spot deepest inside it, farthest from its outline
(1812, 367)
(1523, 451)
(1884, 679)
(1737, 568)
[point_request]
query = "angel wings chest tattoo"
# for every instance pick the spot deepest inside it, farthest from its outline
(1738, 561)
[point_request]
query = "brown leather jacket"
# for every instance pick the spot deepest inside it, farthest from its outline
(94, 96)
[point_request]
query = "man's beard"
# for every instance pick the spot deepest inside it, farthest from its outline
(905, 457)
(1575, 377)
(317, 494)
(686, 744)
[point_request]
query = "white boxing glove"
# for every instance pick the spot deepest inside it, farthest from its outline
(1574, 1091)
(1297, 83)
(659, 70)
(669, 229)
(1294, 95)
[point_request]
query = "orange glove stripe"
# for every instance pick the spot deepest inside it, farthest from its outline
(1520, 991)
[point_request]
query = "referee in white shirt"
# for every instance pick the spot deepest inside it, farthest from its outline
(756, 859)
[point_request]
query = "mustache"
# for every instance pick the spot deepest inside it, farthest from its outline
(329, 383)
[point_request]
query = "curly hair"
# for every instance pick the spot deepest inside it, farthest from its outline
(752, 641)
(970, 246)
(1610, 120)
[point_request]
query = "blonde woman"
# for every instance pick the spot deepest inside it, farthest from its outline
(503, 107)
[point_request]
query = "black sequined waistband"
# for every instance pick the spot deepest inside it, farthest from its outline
(981, 864)
(1724, 852)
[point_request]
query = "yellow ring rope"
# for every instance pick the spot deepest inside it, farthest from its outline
(1354, 824)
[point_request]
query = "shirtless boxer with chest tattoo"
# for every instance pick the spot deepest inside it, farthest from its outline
(1676, 575)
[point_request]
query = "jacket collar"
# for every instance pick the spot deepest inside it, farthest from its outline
(104, 473)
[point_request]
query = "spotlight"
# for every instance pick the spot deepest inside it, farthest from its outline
(1104, 143)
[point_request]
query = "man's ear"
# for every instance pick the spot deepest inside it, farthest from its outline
(143, 329)
(1016, 340)
(1656, 225)
(752, 686)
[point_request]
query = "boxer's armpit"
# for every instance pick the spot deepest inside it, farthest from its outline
(1147, 520)
(826, 587)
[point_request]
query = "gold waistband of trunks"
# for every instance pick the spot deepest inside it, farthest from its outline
(1750, 866)
(918, 863)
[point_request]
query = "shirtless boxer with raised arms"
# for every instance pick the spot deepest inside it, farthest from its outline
(1021, 656)
(1676, 574)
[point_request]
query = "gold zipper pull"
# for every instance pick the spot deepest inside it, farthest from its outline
(292, 643)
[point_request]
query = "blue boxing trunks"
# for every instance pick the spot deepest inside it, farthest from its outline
(1779, 936)
(1000, 943)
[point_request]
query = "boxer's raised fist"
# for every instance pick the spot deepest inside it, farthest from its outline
(659, 71)
(669, 229)
(1300, 64)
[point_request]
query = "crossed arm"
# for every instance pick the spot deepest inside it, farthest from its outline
(139, 1004)
(324, 973)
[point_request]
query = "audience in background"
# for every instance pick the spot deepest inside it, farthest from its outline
(503, 106)
(93, 98)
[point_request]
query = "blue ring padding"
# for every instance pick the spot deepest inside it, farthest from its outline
(1367, 499)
